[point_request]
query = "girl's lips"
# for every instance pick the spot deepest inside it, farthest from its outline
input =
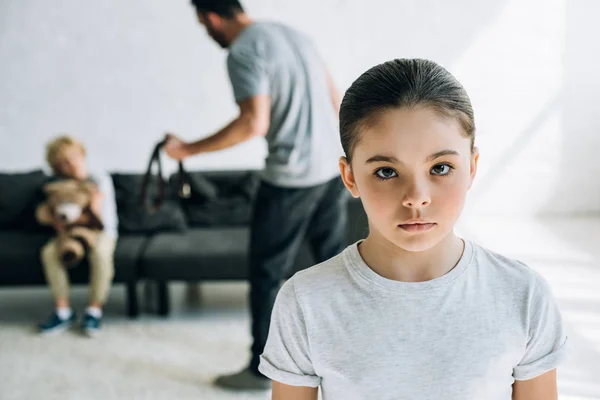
(417, 227)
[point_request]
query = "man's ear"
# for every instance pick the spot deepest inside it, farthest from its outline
(214, 20)
(348, 177)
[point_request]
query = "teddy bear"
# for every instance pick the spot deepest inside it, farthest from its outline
(68, 202)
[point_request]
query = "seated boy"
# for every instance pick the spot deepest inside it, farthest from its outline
(66, 156)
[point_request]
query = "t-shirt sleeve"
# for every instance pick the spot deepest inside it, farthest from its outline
(546, 346)
(286, 357)
(248, 75)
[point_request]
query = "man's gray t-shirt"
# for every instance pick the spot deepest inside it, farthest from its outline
(465, 335)
(303, 140)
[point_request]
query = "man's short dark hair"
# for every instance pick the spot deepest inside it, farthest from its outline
(224, 8)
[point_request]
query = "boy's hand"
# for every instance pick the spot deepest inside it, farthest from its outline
(175, 147)
(96, 202)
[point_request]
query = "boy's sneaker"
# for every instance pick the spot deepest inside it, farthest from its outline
(90, 325)
(55, 324)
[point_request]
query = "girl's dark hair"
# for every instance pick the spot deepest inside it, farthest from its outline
(403, 83)
(224, 8)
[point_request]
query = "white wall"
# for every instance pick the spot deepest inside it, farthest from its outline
(119, 73)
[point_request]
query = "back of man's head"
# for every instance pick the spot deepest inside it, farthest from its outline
(224, 8)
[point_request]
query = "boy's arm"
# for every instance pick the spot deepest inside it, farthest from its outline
(286, 392)
(95, 215)
(542, 387)
(96, 203)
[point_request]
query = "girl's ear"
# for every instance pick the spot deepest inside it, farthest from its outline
(348, 177)
(474, 163)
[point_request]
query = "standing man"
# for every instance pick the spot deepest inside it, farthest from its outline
(285, 94)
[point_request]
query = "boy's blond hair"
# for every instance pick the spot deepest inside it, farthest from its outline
(56, 147)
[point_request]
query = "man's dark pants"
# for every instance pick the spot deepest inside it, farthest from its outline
(282, 218)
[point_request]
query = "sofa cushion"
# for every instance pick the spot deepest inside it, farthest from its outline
(136, 219)
(197, 254)
(128, 255)
(205, 254)
(20, 262)
(20, 258)
(20, 193)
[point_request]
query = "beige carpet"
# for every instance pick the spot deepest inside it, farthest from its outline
(149, 358)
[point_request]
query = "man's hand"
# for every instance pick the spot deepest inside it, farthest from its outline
(175, 147)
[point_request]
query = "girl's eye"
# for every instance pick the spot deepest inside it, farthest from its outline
(385, 173)
(441, 169)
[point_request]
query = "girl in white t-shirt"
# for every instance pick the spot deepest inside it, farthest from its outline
(413, 311)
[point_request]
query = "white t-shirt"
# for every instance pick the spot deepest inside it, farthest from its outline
(465, 335)
(109, 216)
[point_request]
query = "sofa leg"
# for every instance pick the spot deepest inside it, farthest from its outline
(163, 298)
(132, 299)
(193, 294)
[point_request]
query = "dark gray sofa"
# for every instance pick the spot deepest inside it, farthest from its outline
(177, 243)
(21, 240)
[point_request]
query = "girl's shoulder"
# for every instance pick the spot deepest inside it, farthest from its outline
(505, 271)
(323, 276)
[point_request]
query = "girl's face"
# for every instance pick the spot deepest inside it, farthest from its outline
(412, 169)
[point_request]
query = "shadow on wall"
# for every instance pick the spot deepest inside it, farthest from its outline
(508, 155)
(577, 192)
(536, 111)
(578, 185)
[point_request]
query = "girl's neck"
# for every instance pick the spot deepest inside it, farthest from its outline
(395, 263)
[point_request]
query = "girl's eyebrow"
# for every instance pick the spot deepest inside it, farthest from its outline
(442, 154)
(394, 160)
(382, 158)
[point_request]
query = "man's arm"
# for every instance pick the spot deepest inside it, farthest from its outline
(542, 387)
(253, 121)
(286, 392)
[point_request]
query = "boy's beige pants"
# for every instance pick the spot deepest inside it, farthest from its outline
(102, 269)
